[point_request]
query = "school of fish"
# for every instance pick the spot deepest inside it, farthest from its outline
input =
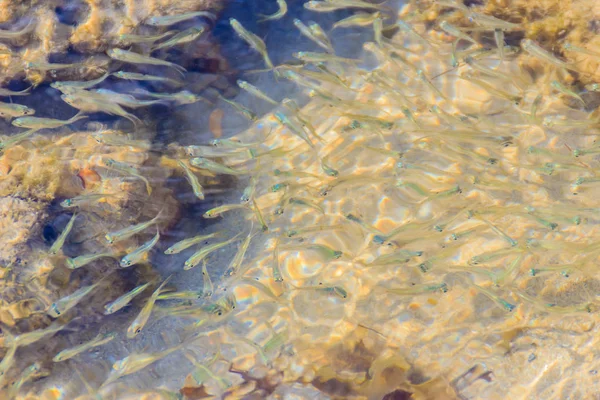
(429, 207)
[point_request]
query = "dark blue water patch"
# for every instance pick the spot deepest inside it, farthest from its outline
(72, 12)
(49, 233)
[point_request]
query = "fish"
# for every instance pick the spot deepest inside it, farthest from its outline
(238, 258)
(312, 57)
(499, 39)
(293, 107)
(9, 93)
(186, 243)
(419, 289)
(320, 34)
(140, 253)
(283, 9)
(401, 256)
(193, 180)
(567, 92)
(337, 290)
(134, 76)
(201, 254)
(136, 362)
(378, 30)
(205, 163)
(552, 307)
(28, 338)
(259, 216)
(82, 101)
(491, 22)
(70, 86)
(116, 138)
(326, 6)
(517, 81)
(571, 47)
(80, 261)
(185, 295)
(328, 75)
(64, 304)
(140, 321)
(493, 255)
(435, 90)
(325, 252)
(217, 211)
(516, 99)
(125, 299)
(408, 28)
(135, 58)
(246, 112)
(132, 38)
(38, 123)
(27, 374)
(277, 275)
(276, 342)
(128, 169)
(308, 33)
(232, 143)
(169, 20)
(306, 203)
(30, 27)
(125, 100)
(203, 373)
(180, 98)
(99, 340)
(358, 19)
(505, 305)
(46, 66)
(253, 90)
(253, 41)
(125, 233)
(248, 192)
(538, 52)
(207, 288)
(293, 128)
(11, 110)
(186, 36)
(364, 225)
(457, 33)
(7, 362)
(83, 199)
(58, 243)
(500, 233)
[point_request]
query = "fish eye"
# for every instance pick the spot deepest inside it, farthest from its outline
(138, 330)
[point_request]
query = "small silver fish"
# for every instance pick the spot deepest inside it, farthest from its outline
(45, 123)
(138, 254)
(58, 243)
(125, 299)
(11, 110)
(99, 340)
(187, 36)
(253, 41)
(134, 76)
(168, 20)
(283, 9)
(135, 58)
(253, 90)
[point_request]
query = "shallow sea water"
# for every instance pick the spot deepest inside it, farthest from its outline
(404, 254)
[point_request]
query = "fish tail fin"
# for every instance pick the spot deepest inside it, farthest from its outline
(179, 69)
